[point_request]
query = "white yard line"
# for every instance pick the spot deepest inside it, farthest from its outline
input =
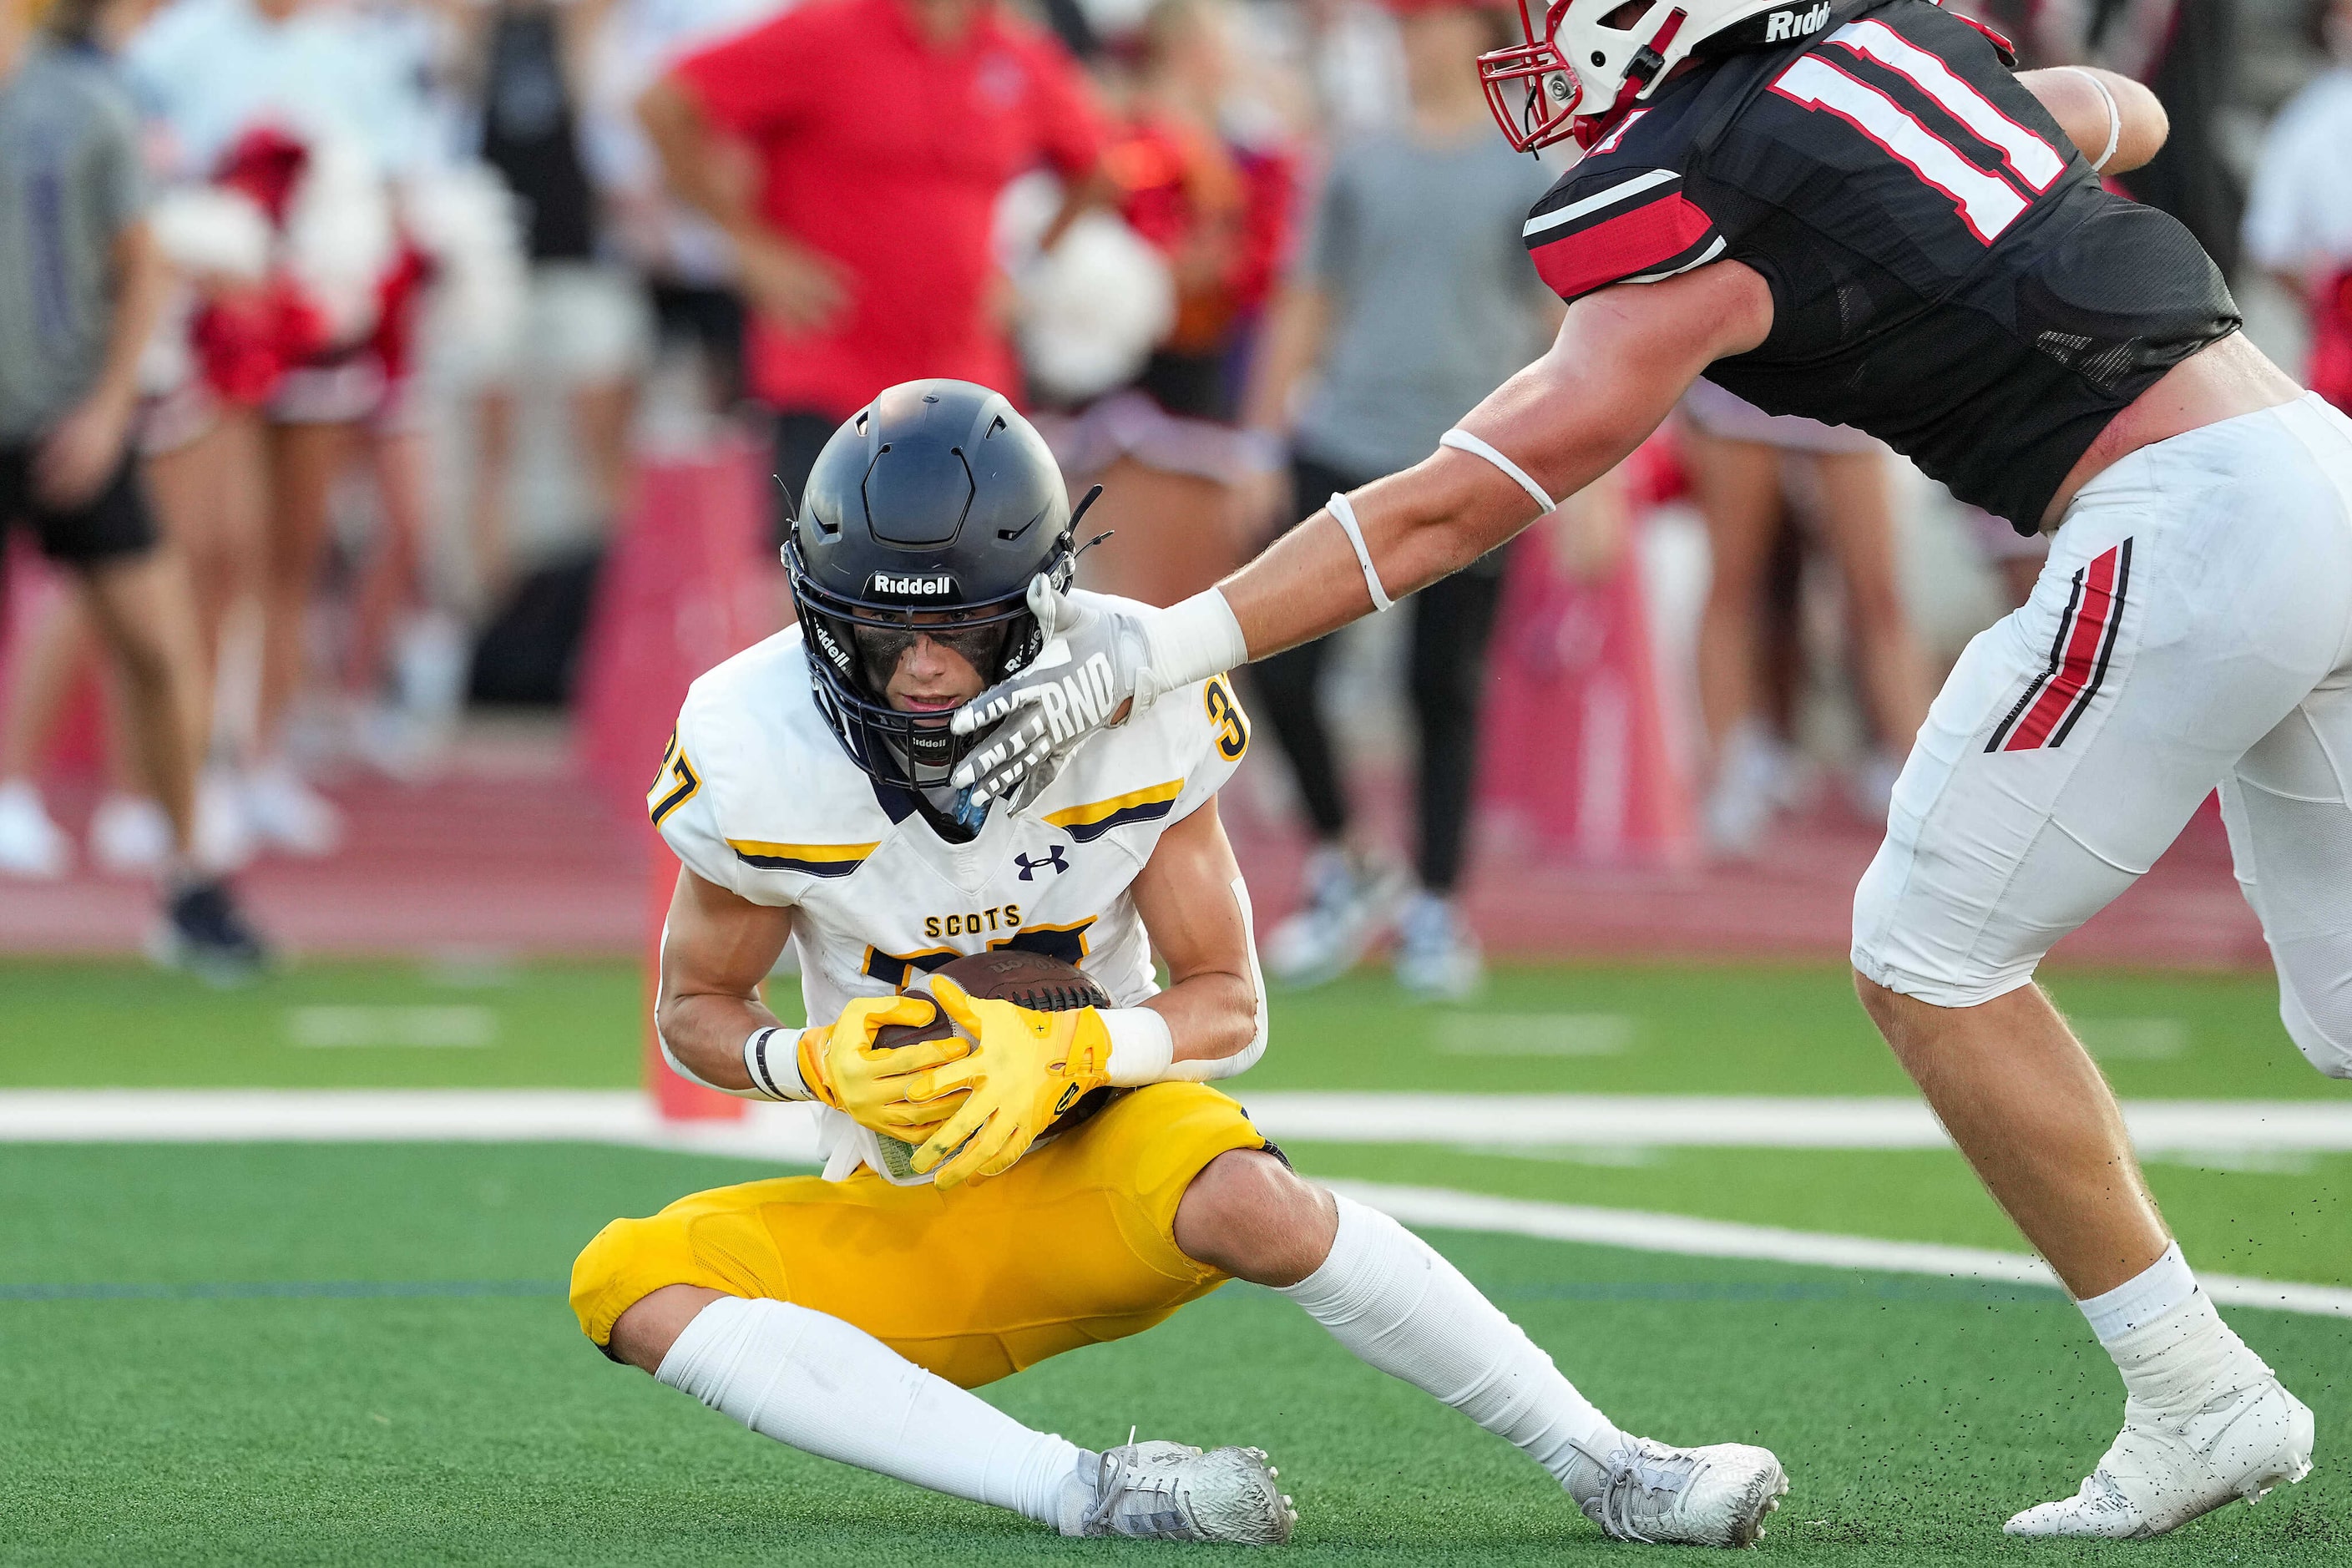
(1495, 1120)
(390, 1116)
(1449, 1210)
(787, 1134)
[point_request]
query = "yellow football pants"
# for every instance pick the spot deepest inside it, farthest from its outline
(1074, 1246)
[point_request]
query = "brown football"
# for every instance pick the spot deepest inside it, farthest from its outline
(1033, 980)
(1036, 981)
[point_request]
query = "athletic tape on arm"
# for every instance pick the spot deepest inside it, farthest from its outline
(1345, 515)
(1463, 441)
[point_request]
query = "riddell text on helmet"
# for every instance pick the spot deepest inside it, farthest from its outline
(914, 585)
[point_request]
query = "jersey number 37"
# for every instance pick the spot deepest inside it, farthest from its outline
(1988, 199)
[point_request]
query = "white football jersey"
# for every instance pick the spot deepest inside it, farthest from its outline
(756, 796)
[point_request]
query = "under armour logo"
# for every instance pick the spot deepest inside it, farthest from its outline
(1029, 867)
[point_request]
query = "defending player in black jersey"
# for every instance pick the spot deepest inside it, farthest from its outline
(1854, 210)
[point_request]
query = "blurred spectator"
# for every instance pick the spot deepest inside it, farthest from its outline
(2187, 52)
(2016, 559)
(1411, 300)
(1736, 455)
(297, 108)
(687, 264)
(1357, 71)
(586, 329)
(1204, 175)
(2299, 221)
(82, 284)
(882, 132)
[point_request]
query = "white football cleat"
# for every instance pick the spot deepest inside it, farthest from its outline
(284, 811)
(129, 834)
(1349, 905)
(31, 845)
(1437, 957)
(1648, 1491)
(2164, 1471)
(1171, 1491)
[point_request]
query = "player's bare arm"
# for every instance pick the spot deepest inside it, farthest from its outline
(1190, 896)
(2113, 121)
(716, 948)
(1622, 359)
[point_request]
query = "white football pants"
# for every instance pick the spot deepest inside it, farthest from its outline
(2192, 628)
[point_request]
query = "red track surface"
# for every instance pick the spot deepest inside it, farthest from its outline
(514, 853)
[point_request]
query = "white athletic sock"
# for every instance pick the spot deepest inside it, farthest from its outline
(826, 1388)
(1386, 1295)
(2172, 1348)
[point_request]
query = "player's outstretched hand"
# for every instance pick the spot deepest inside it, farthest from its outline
(843, 1067)
(1025, 1069)
(1096, 658)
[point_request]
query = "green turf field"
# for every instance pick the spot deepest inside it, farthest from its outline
(361, 1354)
(1619, 1029)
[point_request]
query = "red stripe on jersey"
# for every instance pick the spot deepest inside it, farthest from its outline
(2081, 657)
(1626, 246)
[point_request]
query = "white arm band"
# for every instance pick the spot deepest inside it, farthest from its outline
(1344, 514)
(1194, 639)
(772, 1060)
(2115, 116)
(1463, 441)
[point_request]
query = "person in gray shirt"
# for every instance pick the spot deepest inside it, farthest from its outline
(1411, 301)
(81, 285)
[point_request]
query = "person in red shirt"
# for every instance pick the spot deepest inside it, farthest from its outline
(879, 133)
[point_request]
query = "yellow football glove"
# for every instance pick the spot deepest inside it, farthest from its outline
(843, 1067)
(1025, 1069)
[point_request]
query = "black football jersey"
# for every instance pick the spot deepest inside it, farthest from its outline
(1946, 272)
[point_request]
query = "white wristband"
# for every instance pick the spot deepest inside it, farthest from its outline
(771, 1056)
(1343, 512)
(2114, 117)
(1193, 640)
(1142, 1047)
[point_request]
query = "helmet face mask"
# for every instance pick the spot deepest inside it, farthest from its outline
(926, 517)
(1531, 89)
(1579, 69)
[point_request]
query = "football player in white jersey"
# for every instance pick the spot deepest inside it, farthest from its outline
(948, 1244)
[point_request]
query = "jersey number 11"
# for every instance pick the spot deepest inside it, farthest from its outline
(1986, 202)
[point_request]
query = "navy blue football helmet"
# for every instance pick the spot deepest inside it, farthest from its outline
(928, 513)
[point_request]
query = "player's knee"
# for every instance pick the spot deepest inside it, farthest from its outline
(2317, 1011)
(643, 1335)
(1250, 1216)
(629, 1262)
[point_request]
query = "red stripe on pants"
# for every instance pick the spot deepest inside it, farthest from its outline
(2091, 617)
